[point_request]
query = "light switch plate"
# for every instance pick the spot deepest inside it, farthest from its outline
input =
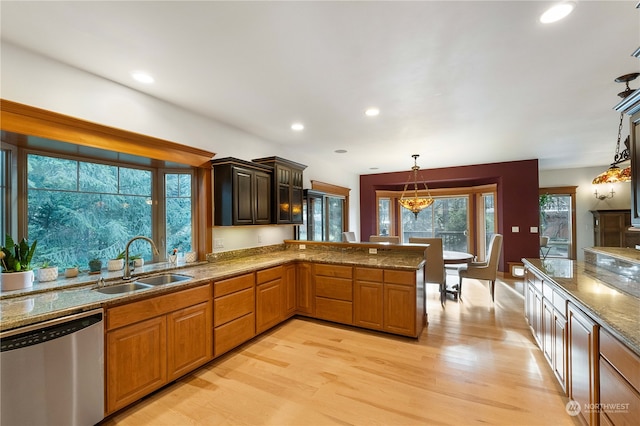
(534, 229)
(373, 251)
(515, 229)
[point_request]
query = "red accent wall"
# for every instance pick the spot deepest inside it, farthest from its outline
(517, 203)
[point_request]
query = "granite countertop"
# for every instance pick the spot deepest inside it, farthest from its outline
(623, 253)
(613, 308)
(68, 296)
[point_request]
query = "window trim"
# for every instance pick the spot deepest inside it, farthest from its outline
(28, 120)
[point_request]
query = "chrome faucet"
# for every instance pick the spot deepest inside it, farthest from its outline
(127, 271)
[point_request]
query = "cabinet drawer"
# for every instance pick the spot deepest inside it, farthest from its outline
(334, 288)
(369, 274)
(399, 277)
(334, 310)
(232, 306)
(560, 302)
(618, 400)
(144, 309)
(267, 275)
(233, 333)
(231, 285)
(333, 270)
(626, 362)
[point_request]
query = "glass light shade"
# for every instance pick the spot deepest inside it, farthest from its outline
(613, 175)
(416, 205)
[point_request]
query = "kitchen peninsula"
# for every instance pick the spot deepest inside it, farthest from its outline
(584, 317)
(229, 300)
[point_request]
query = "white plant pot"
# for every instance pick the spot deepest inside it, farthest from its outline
(115, 264)
(138, 263)
(16, 280)
(48, 274)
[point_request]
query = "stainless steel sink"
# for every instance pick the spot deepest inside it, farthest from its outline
(163, 279)
(122, 288)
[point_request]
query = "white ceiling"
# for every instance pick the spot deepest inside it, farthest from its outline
(459, 82)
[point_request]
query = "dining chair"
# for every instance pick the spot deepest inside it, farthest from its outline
(487, 270)
(545, 248)
(349, 237)
(384, 239)
(434, 271)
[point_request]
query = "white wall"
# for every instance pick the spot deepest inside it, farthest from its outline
(585, 198)
(40, 82)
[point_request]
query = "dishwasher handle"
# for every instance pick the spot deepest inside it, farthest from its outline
(48, 330)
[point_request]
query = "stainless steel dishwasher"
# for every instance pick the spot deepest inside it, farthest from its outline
(52, 373)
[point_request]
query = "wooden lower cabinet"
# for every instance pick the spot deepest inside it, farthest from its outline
(387, 300)
(136, 362)
(333, 286)
(304, 289)
(619, 382)
(583, 362)
(187, 346)
(289, 291)
(150, 343)
(234, 312)
(269, 298)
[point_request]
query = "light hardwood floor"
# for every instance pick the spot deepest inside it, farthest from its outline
(475, 363)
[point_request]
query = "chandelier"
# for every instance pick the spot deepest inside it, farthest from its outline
(614, 173)
(415, 204)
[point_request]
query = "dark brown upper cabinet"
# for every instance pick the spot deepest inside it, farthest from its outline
(241, 192)
(287, 189)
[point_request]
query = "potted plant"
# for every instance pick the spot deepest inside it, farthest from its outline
(16, 264)
(72, 271)
(95, 265)
(47, 272)
(138, 261)
(117, 263)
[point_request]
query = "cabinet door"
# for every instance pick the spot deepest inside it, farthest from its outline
(635, 169)
(268, 305)
(368, 304)
(189, 339)
(263, 198)
(136, 361)
(296, 205)
(583, 362)
(548, 324)
(559, 349)
(398, 318)
(289, 291)
(243, 197)
(304, 290)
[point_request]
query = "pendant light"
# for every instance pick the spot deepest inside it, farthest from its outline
(415, 204)
(614, 173)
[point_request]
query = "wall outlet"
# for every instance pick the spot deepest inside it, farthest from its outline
(218, 243)
(259, 238)
(373, 251)
(302, 246)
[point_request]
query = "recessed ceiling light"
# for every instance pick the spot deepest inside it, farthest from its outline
(297, 127)
(142, 77)
(340, 151)
(372, 112)
(557, 12)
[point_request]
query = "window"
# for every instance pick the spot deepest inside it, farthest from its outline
(325, 208)
(335, 217)
(446, 218)
(557, 221)
(465, 218)
(79, 209)
(179, 209)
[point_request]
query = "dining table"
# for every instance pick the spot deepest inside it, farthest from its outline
(455, 260)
